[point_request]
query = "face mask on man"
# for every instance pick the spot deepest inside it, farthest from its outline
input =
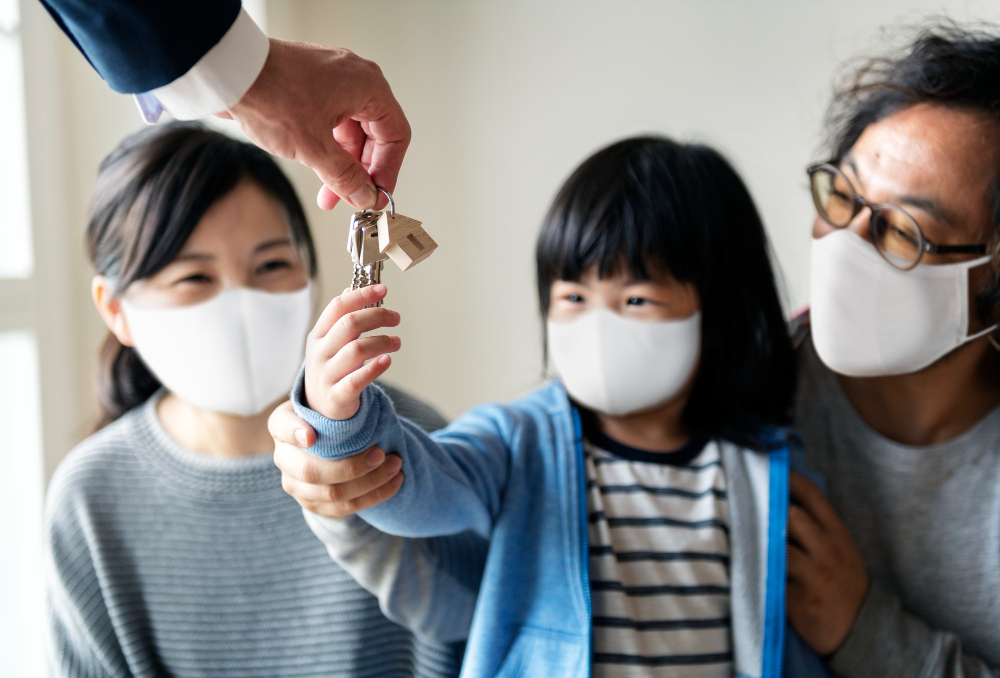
(236, 353)
(869, 318)
(618, 366)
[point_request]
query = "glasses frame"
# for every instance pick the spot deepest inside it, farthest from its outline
(858, 203)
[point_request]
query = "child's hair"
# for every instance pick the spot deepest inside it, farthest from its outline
(151, 192)
(649, 204)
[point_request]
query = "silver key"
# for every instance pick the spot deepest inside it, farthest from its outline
(362, 243)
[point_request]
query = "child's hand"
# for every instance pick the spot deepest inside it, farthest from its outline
(336, 372)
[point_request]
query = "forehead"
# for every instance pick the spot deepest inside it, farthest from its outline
(929, 150)
(239, 221)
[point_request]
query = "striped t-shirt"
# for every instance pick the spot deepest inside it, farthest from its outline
(659, 560)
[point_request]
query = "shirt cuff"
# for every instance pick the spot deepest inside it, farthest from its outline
(220, 78)
(336, 439)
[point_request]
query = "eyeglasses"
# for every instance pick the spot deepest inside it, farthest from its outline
(895, 234)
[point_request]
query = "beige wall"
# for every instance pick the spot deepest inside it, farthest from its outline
(504, 99)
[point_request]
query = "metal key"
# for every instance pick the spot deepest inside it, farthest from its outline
(362, 243)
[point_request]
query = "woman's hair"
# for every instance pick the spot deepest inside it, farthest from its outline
(648, 205)
(945, 64)
(151, 192)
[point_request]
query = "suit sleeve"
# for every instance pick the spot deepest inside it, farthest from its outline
(137, 45)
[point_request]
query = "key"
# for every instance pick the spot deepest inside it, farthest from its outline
(362, 244)
(374, 237)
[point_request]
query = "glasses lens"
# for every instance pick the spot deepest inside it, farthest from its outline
(897, 237)
(833, 196)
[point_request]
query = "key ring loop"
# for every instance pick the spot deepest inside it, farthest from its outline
(392, 206)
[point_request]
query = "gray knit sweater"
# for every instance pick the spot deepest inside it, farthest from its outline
(161, 561)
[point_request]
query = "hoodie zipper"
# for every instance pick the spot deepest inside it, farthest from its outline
(584, 535)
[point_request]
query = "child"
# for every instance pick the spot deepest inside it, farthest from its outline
(636, 508)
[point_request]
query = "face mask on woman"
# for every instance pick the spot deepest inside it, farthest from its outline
(868, 318)
(619, 366)
(236, 353)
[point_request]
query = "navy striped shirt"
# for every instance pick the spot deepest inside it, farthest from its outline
(659, 560)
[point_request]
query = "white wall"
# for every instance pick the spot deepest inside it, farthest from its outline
(505, 98)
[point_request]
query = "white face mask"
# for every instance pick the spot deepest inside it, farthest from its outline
(618, 366)
(868, 318)
(237, 353)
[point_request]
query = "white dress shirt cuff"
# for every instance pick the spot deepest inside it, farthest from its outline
(221, 77)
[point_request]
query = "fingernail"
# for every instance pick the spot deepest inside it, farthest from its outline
(375, 457)
(378, 289)
(394, 316)
(394, 464)
(383, 360)
(397, 481)
(300, 437)
(364, 197)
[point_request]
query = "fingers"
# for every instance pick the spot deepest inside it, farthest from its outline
(348, 302)
(354, 355)
(351, 386)
(343, 174)
(351, 326)
(312, 470)
(343, 493)
(805, 532)
(353, 506)
(388, 139)
(808, 495)
(799, 565)
(326, 199)
(285, 426)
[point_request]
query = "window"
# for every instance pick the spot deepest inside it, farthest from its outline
(21, 465)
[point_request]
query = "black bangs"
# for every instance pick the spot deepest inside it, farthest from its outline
(650, 205)
(157, 185)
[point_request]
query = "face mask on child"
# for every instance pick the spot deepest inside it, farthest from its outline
(236, 353)
(869, 318)
(617, 366)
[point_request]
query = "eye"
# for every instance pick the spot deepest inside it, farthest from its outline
(575, 298)
(273, 265)
(638, 301)
(196, 279)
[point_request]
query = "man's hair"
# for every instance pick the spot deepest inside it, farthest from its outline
(650, 205)
(946, 64)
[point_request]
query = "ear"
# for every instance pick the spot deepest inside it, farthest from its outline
(110, 308)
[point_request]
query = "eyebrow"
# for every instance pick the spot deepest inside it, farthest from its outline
(264, 246)
(929, 205)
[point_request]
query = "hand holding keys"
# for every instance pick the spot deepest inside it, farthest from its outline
(374, 237)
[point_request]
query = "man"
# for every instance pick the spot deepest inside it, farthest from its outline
(898, 572)
(323, 106)
(900, 376)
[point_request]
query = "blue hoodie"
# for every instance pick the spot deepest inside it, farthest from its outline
(514, 475)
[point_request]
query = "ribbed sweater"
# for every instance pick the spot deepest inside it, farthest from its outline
(161, 561)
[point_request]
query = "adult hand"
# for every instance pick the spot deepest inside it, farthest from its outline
(827, 577)
(334, 488)
(332, 111)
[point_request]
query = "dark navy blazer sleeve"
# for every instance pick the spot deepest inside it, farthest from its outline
(140, 45)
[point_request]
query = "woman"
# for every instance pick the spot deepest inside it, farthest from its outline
(172, 548)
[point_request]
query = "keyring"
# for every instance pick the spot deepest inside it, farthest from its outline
(392, 206)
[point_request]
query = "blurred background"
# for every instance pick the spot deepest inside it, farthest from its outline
(504, 100)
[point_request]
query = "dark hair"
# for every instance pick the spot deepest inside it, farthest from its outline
(945, 64)
(649, 204)
(151, 192)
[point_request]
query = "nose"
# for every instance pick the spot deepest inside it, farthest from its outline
(861, 224)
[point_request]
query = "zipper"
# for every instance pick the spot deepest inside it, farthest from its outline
(584, 535)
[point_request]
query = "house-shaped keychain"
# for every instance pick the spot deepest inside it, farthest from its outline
(402, 238)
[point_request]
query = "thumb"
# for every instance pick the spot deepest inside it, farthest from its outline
(345, 176)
